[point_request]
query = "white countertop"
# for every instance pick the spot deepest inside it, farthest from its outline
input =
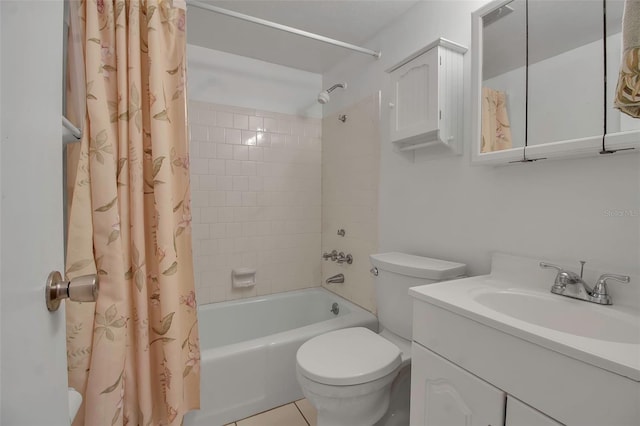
(458, 297)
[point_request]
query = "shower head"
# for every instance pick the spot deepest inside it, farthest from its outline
(323, 97)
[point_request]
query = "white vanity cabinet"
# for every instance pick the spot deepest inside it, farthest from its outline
(444, 394)
(426, 98)
(496, 365)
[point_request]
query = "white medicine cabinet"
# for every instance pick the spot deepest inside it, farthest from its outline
(426, 99)
(544, 76)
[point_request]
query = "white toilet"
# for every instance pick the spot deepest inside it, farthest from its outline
(348, 374)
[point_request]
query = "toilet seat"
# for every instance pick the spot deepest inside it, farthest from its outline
(349, 356)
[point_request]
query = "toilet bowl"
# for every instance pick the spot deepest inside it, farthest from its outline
(348, 374)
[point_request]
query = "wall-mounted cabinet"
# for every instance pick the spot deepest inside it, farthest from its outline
(426, 99)
(544, 78)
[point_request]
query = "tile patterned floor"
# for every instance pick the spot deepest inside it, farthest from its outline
(299, 413)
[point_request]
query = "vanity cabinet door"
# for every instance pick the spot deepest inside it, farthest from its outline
(443, 394)
(520, 414)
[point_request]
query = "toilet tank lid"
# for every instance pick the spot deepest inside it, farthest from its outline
(417, 266)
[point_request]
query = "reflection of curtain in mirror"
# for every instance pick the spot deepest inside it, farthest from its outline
(75, 107)
(628, 91)
(496, 130)
(75, 110)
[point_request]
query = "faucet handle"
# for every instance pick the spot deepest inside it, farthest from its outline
(601, 286)
(342, 258)
(333, 255)
(563, 277)
(546, 265)
(560, 269)
(622, 278)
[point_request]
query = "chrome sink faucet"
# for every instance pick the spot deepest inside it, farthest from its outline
(578, 289)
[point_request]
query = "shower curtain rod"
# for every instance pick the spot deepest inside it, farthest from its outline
(281, 27)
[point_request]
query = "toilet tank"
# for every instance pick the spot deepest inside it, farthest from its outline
(396, 273)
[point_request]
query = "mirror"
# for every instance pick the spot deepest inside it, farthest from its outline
(566, 67)
(538, 77)
(504, 80)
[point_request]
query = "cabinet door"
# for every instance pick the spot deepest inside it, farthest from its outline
(520, 414)
(443, 394)
(415, 97)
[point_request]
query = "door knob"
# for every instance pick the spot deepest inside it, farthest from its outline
(79, 289)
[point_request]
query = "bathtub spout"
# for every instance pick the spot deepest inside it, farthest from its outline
(336, 279)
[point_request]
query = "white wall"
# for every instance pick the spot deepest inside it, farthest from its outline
(571, 209)
(227, 79)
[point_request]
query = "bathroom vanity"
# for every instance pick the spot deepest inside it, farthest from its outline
(501, 349)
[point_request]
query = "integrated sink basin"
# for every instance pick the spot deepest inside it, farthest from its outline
(516, 299)
(561, 314)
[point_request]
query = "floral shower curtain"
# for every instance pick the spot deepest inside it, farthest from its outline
(134, 354)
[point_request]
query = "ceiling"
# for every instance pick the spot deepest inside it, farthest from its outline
(351, 21)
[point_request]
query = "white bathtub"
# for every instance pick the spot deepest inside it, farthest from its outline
(249, 350)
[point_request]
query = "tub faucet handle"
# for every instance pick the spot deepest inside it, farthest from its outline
(342, 258)
(333, 255)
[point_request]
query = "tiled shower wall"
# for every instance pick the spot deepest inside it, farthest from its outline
(256, 200)
(350, 178)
